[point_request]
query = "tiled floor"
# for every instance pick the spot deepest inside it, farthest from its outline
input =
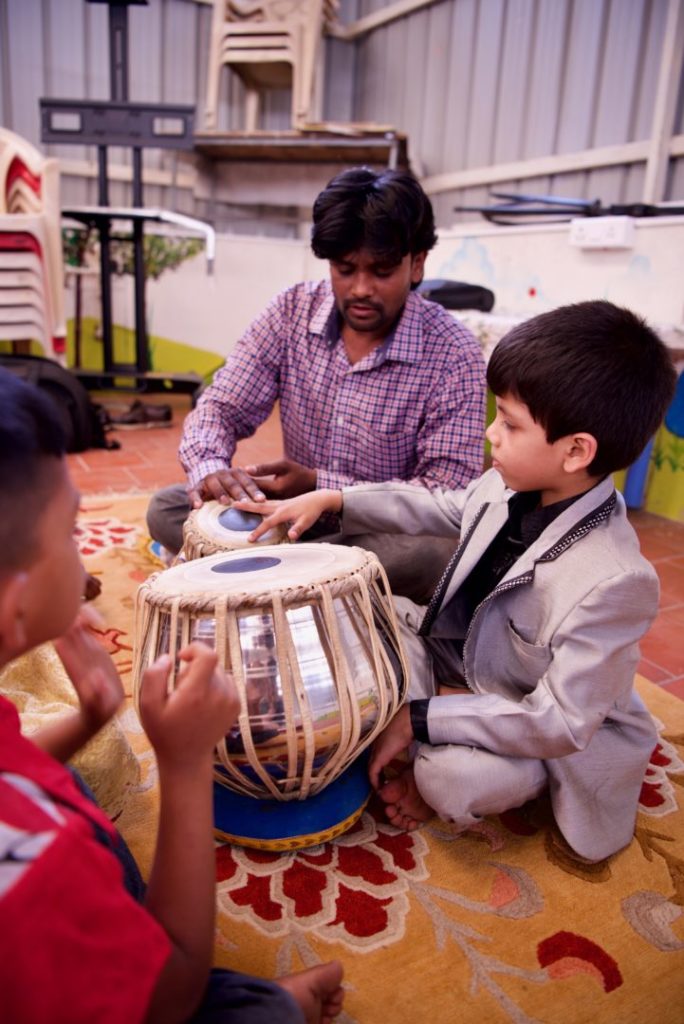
(148, 459)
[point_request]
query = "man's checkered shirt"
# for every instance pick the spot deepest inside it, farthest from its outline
(413, 410)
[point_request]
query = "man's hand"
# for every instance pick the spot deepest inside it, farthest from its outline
(185, 725)
(225, 486)
(284, 478)
(302, 512)
(91, 670)
(397, 737)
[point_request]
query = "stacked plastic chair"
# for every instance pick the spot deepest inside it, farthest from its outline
(269, 44)
(31, 260)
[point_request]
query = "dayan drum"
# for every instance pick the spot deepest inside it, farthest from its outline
(310, 635)
(214, 527)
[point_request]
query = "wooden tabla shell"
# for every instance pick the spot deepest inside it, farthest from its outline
(310, 634)
(208, 531)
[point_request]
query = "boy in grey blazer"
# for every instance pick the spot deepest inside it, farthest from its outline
(522, 665)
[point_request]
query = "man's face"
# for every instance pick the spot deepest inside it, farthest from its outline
(370, 294)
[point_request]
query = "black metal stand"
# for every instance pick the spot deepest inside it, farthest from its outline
(134, 125)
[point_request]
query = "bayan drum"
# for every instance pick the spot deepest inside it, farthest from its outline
(310, 635)
(214, 527)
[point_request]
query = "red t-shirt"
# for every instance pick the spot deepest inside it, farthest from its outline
(74, 945)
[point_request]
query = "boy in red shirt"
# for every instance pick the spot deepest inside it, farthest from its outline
(80, 938)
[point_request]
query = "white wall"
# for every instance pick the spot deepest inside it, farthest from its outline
(529, 269)
(534, 268)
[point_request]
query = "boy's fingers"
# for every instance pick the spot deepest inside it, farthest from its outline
(155, 680)
(199, 663)
(89, 618)
(262, 528)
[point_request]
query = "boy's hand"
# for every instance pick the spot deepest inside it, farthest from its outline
(394, 739)
(285, 478)
(225, 486)
(185, 725)
(302, 511)
(91, 670)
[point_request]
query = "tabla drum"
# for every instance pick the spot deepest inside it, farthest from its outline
(214, 527)
(310, 635)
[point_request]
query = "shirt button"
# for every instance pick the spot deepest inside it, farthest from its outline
(340, 421)
(335, 463)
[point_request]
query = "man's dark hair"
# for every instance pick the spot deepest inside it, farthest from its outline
(386, 212)
(591, 367)
(31, 442)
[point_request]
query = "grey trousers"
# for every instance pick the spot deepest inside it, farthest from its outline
(413, 564)
(461, 783)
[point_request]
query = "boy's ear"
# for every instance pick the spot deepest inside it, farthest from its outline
(580, 452)
(13, 638)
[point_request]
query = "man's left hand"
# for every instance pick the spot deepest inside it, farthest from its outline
(284, 478)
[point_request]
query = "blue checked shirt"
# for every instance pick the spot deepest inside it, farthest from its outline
(412, 410)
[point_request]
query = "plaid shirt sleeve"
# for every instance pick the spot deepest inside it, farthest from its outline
(240, 397)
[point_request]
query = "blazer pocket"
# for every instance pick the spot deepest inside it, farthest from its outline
(535, 656)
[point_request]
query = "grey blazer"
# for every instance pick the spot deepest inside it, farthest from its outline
(550, 654)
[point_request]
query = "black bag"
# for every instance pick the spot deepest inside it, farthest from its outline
(457, 294)
(84, 422)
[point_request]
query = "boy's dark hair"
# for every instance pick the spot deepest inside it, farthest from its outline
(386, 212)
(31, 440)
(591, 367)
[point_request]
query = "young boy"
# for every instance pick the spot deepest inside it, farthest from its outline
(522, 666)
(75, 946)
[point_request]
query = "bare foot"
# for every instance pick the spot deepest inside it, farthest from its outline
(404, 806)
(318, 991)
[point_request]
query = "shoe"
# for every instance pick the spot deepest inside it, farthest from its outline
(140, 416)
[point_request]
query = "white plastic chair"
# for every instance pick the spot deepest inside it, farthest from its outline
(269, 44)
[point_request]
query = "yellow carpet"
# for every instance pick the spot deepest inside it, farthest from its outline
(497, 925)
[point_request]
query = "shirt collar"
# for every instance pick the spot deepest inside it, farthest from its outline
(529, 519)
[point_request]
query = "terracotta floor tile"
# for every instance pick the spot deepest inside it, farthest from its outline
(654, 673)
(671, 576)
(663, 644)
(675, 687)
(104, 481)
(154, 477)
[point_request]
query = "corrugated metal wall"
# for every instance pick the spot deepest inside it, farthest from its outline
(471, 82)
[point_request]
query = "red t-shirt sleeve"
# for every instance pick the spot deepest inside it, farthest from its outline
(75, 947)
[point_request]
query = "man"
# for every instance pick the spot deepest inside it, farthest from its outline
(374, 382)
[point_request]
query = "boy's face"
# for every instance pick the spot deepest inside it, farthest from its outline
(370, 294)
(524, 457)
(55, 578)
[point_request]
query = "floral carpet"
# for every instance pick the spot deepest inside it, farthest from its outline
(500, 924)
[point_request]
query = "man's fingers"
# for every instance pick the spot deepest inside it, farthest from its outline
(195, 498)
(268, 468)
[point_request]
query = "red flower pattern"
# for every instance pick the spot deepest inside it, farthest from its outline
(97, 535)
(657, 796)
(353, 890)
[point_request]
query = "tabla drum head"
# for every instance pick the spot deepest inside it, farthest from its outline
(217, 527)
(263, 570)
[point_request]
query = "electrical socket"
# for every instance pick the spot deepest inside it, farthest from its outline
(602, 232)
